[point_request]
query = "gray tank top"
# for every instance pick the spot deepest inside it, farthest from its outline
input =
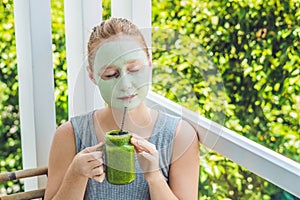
(163, 138)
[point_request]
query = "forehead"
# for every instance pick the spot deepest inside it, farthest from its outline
(118, 50)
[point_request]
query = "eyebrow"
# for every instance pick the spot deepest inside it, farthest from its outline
(134, 61)
(105, 67)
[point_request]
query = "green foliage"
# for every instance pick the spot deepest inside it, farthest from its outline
(59, 61)
(10, 141)
(106, 11)
(250, 86)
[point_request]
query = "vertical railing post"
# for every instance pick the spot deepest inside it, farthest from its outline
(138, 11)
(142, 17)
(80, 17)
(121, 8)
(36, 83)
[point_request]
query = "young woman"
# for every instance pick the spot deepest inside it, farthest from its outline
(166, 147)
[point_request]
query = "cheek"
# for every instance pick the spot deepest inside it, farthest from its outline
(144, 78)
(106, 88)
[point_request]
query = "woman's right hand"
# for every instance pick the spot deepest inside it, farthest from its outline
(89, 163)
(148, 155)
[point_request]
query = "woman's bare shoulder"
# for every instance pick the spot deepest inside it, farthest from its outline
(65, 129)
(186, 130)
(185, 138)
(64, 136)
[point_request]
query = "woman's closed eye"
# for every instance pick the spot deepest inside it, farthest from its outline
(135, 67)
(109, 74)
(114, 75)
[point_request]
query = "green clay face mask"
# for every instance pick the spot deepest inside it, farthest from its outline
(122, 72)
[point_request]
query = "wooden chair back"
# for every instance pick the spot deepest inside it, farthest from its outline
(20, 174)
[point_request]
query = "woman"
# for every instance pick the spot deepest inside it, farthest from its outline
(167, 148)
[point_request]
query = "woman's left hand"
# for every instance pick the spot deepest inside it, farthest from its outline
(148, 155)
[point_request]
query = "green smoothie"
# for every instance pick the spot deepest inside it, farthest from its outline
(120, 167)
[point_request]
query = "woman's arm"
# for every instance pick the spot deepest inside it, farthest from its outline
(68, 173)
(184, 170)
(62, 152)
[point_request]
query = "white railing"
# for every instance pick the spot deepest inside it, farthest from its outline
(274, 167)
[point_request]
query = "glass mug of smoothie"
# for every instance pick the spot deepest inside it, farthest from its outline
(119, 157)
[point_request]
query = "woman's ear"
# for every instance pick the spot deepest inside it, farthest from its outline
(91, 74)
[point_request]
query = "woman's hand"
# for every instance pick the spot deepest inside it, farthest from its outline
(148, 155)
(89, 163)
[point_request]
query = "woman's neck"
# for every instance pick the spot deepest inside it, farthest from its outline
(138, 117)
(140, 120)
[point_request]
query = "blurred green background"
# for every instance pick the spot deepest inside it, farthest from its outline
(236, 62)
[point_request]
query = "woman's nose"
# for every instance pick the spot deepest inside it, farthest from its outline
(125, 83)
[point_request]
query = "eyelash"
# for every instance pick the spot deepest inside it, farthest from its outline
(116, 75)
(134, 70)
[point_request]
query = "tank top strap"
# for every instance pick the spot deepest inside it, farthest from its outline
(163, 138)
(83, 126)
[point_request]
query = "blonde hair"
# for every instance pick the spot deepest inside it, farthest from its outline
(110, 28)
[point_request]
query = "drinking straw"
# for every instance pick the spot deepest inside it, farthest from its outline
(123, 120)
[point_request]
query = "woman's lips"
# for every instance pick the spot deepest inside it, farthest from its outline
(127, 98)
